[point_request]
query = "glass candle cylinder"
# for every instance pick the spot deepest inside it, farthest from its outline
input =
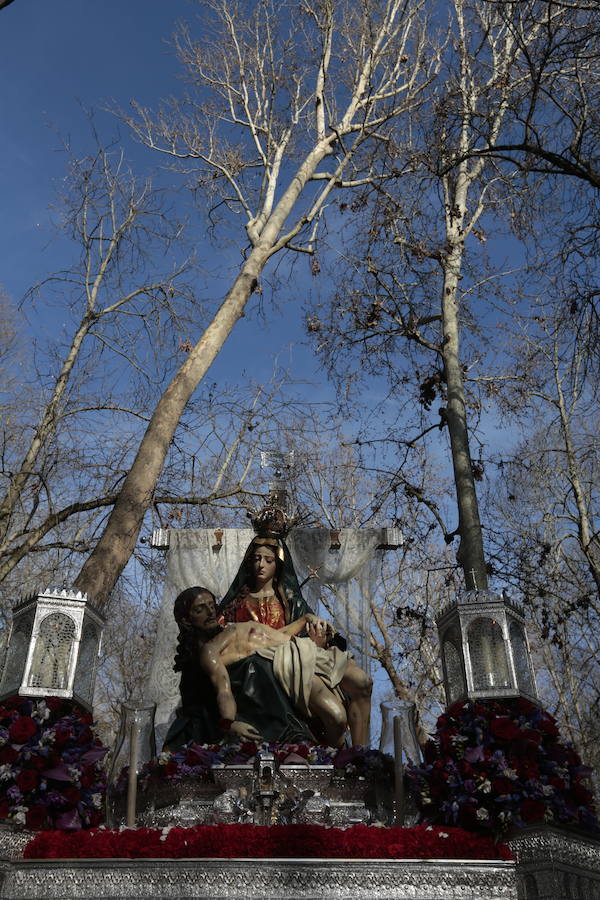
(135, 746)
(399, 739)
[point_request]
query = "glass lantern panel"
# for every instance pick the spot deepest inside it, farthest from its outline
(488, 655)
(452, 657)
(518, 644)
(17, 652)
(83, 684)
(52, 654)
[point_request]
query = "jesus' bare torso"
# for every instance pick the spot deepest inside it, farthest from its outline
(245, 638)
(242, 639)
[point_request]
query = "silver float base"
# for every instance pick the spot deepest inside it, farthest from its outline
(551, 864)
(247, 879)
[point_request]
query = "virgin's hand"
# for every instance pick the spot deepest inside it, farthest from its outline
(244, 731)
(319, 631)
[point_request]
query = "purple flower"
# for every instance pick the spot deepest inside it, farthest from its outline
(474, 754)
(14, 794)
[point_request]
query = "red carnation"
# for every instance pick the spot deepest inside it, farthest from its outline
(54, 703)
(16, 703)
(504, 728)
(527, 768)
(36, 815)
(302, 750)
(532, 810)
(71, 795)
(27, 779)
(503, 786)
(88, 777)
(85, 737)
(8, 755)
(548, 725)
(61, 735)
(170, 768)
(22, 729)
(249, 748)
(4, 809)
(531, 734)
(582, 795)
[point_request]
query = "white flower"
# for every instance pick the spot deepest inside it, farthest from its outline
(486, 787)
(41, 711)
(5, 772)
(19, 814)
(164, 758)
(510, 773)
(482, 813)
(547, 789)
(443, 834)
(97, 800)
(164, 832)
(75, 774)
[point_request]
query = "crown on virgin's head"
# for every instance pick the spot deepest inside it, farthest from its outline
(271, 521)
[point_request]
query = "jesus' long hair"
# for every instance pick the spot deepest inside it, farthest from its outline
(187, 640)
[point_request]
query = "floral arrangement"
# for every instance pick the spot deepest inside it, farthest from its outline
(496, 765)
(275, 842)
(50, 765)
(195, 761)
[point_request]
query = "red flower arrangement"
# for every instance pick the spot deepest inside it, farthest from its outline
(496, 765)
(51, 774)
(274, 842)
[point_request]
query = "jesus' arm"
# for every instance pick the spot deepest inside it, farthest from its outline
(210, 661)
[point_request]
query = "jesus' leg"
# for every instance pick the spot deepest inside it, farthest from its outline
(327, 708)
(357, 685)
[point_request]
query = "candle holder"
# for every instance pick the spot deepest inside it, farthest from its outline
(135, 746)
(399, 739)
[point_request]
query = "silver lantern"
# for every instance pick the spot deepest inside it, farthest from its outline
(484, 646)
(53, 647)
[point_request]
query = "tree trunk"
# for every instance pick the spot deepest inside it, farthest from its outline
(103, 567)
(108, 559)
(470, 554)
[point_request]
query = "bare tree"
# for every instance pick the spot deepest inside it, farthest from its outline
(72, 422)
(409, 312)
(115, 298)
(555, 96)
(283, 116)
(543, 533)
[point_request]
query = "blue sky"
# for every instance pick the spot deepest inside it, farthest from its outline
(61, 57)
(58, 59)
